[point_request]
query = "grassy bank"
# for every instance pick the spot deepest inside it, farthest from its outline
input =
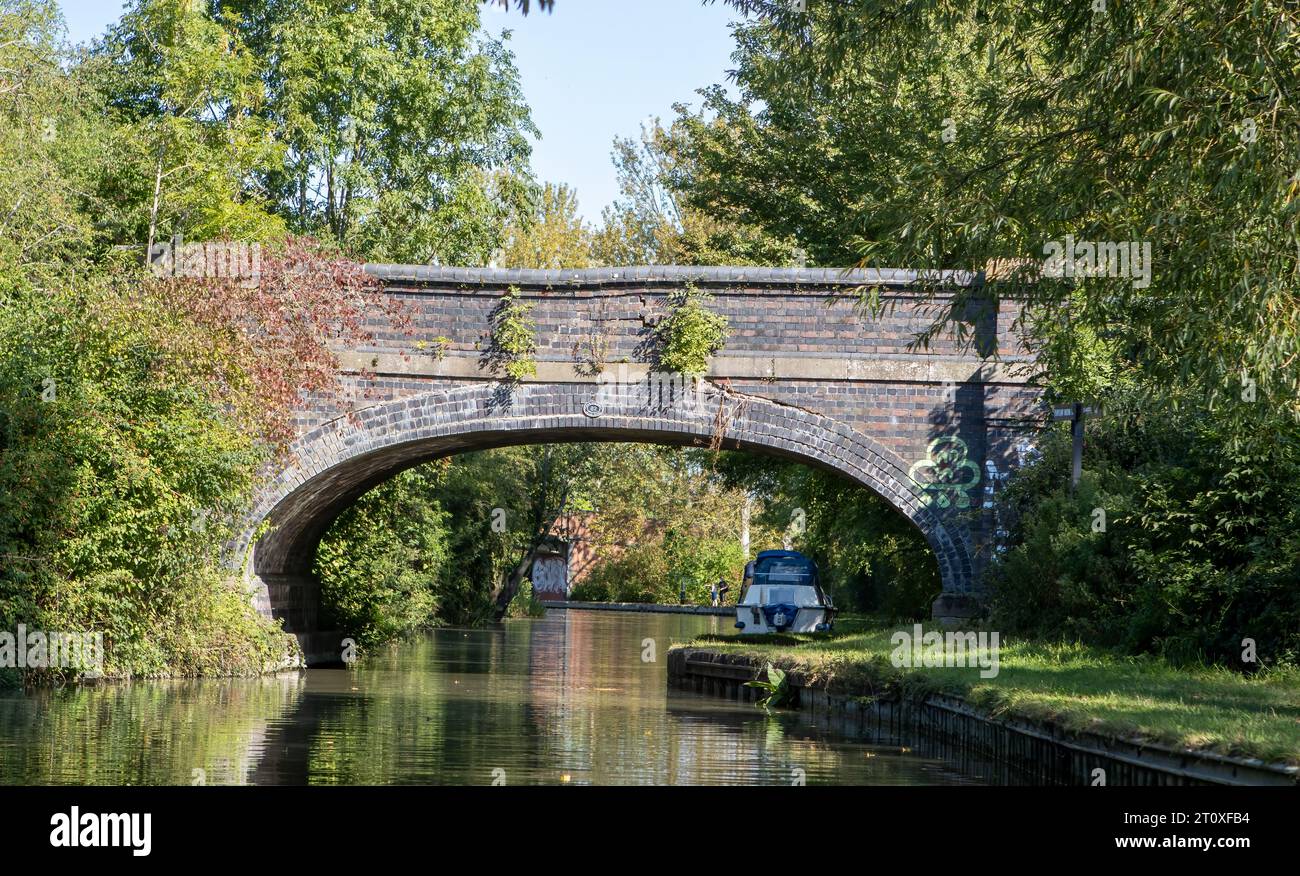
(1075, 686)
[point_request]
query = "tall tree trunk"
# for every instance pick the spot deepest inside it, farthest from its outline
(153, 211)
(513, 581)
(546, 513)
(744, 523)
(329, 198)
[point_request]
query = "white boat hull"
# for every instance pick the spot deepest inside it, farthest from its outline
(753, 620)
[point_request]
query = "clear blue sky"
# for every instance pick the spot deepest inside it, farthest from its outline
(592, 70)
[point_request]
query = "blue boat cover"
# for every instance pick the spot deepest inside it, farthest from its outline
(771, 611)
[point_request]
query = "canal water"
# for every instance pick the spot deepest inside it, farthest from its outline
(577, 697)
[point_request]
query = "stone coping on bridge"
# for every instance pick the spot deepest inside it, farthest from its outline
(673, 274)
(880, 367)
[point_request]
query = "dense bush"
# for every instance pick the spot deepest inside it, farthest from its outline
(699, 562)
(637, 574)
(689, 334)
(1200, 550)
(379, 561)
(512, 339)
(525, 603)
(122, 472)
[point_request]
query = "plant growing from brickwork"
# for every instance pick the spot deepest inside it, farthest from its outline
(689, 334)
(437, 347)
(591, 352)
(512, 344)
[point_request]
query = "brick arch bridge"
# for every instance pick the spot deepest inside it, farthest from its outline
(805, 375)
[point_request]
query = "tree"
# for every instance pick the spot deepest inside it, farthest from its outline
(650, 223)
(554, 236)
(661, 520)
(813, 153)
(405, 127)
(125, 465)
(985, 137)
(1197, 548)
(554, 473)
(502, 505)
(380, 561)
(522, 5)
(954, 135)
(51, 137)
(188, 91)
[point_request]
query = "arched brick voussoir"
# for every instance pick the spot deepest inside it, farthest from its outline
(336, 463)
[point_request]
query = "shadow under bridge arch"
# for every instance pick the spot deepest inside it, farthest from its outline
(333, 465)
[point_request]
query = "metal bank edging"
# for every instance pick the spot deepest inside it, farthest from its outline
(686, 664)
(650, 608)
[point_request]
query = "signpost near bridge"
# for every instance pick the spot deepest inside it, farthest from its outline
(1075, 413)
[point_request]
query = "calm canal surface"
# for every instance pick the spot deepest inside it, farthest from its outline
(564, 699)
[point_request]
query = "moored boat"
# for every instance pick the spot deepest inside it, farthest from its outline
(782, 594)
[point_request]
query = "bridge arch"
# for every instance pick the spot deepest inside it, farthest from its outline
(339, 461)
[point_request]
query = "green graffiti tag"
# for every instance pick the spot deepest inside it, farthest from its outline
(947, 474)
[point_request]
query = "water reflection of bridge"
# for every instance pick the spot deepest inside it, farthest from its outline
(564, 699)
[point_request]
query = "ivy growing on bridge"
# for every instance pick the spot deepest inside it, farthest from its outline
(689, 334)
(512, 343)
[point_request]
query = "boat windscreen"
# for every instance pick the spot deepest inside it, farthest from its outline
(781, 594)
(783, 571)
